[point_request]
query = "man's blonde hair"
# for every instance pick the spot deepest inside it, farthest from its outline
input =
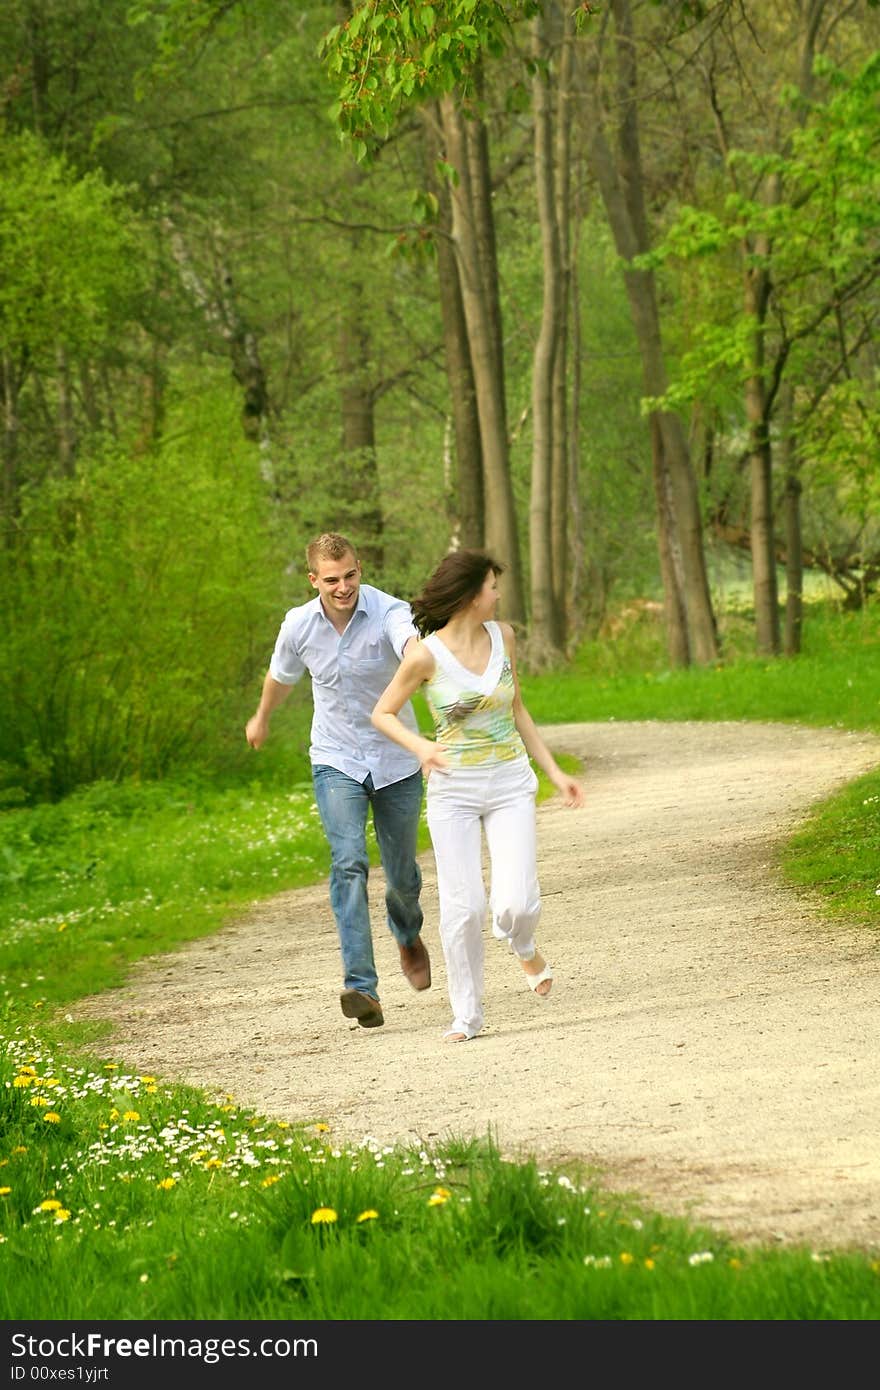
(328, 546)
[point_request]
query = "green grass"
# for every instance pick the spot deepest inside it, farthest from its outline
(144, 1200)
(124, 1198)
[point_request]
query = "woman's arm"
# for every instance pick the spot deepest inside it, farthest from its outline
(570, 788)
(417, 667)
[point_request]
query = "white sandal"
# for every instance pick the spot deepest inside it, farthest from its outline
(534, 980)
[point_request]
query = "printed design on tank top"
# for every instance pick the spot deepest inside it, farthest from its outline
(473, 715)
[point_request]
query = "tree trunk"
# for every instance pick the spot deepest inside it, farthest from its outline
(545, 639)
(358, 506)
(220, 308)
(669, 554)
(561, 539)
(65, 426)
(10, 385)
(470, 207)
(794, 548)
(756, 292)
(468, 522)
(575, 533)
(621, 186)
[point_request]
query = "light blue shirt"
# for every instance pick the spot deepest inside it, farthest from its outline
(349, 673)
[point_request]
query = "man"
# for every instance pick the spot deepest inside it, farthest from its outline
(351, 639)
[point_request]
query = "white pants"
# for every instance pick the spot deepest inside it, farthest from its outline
(499, 799)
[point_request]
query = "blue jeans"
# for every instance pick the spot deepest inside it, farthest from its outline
(343, 804)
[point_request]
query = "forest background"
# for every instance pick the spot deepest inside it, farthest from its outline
(595, 286)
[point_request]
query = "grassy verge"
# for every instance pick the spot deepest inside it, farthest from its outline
(127, 1199)
(175, 1207)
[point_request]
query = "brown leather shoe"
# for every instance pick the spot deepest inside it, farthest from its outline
(416, 965)
(363, 1007)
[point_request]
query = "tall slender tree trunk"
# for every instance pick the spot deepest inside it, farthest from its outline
(468, 521)
(358, 493)
(465, 144)
(65, 424)
(669, 553)
(621, 184)
(545, 638)
(10, 386)
(794, 547)
(562, 499)
(575, 534)
(756, 292)
(219, 305)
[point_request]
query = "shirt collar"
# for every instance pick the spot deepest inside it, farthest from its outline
(361, 608)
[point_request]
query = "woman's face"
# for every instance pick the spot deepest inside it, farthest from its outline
(486, 600)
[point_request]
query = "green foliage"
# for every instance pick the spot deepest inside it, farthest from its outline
(69, 262)
(391, 54)
(135, 607)
(821, 233)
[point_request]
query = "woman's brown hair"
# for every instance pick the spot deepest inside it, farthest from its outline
(458, 578)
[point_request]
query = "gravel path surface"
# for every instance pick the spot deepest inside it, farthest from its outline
(710, 1044)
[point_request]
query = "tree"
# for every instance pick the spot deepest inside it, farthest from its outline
(617, 163)
(70, 273)
(803, 355)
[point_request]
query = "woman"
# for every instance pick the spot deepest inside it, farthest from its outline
(479, 775)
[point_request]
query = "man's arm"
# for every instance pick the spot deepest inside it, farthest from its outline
(273, 695)
(399, 628)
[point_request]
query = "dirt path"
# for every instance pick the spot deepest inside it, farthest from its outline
(710, 1044)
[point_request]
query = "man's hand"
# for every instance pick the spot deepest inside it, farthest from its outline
(257, 730)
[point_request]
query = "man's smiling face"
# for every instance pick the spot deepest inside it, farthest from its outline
(338, 582)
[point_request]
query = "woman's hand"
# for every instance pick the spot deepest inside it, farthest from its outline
(432, 757)
(569, 788)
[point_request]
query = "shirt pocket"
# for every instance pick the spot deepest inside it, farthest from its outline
(321, 665)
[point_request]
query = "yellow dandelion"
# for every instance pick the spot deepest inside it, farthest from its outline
(322, 1128)
(282, 1124)
(19, 1149)
(62, 1215)
(5, 1191)
(649, 1263)
(39, 1003)
(102, 1125)
(151, 1090)
(62, 926)
(131, 1115)
(52, 1117)
(24, 1078)
(39, 1100)
(875, 1266)
(734, 1263)
(369, 1215)
(625, 1257)
(227, 1109)
(270, 1180)
(439, 1196)
(27, 1071)
(166, 1184)
(323, 1216)
(50, 1204)
(148, 1080)
(214, 1163)
(51, 1081)
(111, 1066)
(114, 1113)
